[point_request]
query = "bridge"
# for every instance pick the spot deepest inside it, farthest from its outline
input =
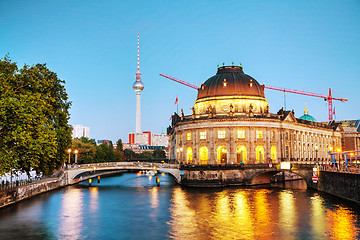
(83, 172)
(193, 175)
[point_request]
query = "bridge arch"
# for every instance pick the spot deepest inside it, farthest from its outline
(266, 176)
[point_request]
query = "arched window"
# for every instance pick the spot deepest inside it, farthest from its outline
(203, 153)
(273, 154)
(221, 155)
(241, 154)
(260, 154)
(189, 155)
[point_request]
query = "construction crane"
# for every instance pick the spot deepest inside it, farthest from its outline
(329, 98)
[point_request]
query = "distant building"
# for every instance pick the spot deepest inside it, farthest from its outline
(99, 142)
(80, 131)
(351, 135)
(147, 138)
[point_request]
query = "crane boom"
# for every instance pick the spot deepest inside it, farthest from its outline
(327, 98)
(179, 81)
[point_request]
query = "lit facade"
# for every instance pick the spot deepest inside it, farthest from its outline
(231, 124)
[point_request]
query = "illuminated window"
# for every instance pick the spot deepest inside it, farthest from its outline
(273, 153)
(189, 155)
(224, 83)
(260, 154)
(203, 152)
(221, 134)
(221, 155)
(259, 134)
(241, 154)
(188, 136)
(241, 134)
(202, 135)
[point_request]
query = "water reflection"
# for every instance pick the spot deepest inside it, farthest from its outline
(318, 217)
(131, 207)
(71, 219)
(287, 215)
(342, 224)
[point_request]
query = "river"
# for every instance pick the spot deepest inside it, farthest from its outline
(131, 206)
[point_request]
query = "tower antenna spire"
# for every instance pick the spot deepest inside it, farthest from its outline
(138, 55)
(138, 86)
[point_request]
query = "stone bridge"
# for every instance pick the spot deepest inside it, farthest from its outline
(83, 172)
(245, 174)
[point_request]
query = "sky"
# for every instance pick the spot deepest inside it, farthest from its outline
(92, 46)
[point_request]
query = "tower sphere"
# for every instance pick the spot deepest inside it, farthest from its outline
(138, 86)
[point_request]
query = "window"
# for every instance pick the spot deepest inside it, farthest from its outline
(241, 134)
(188, 136)
(189, 155)
(202, 135)
(259, 134)
(221, 134)
(203, 154)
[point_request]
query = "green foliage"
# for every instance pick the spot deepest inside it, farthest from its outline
(128, 153)
(159, 153)
(34, 130)
(86, 150)
(87, 140)
(119, 145)
(146, 154)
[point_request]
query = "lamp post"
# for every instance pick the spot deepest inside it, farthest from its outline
(69, 151)
(76, 153)
(316, 156)
(339, 152)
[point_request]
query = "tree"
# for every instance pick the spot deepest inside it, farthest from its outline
(159, 153)
(34, 114)
(87, 140)
(86, 150)
(119, 145)
(129, 153)
(146, 154)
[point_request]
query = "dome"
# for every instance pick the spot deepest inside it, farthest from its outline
(307, 117)
(138, 86)
(230, 81)
(231, 92)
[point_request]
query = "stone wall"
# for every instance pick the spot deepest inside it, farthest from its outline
(11, 196)
(345, 185)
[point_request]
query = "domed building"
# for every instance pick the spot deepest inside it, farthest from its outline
(307, 117)
(231, 124)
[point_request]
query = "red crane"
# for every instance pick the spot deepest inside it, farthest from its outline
(329, 98)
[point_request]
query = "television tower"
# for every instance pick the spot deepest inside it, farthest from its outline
(138, 86)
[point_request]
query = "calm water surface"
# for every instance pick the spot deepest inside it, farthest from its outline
(130, 206)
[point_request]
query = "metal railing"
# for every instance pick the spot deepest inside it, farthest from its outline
(6, 185)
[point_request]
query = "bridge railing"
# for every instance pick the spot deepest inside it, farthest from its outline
(123, 164)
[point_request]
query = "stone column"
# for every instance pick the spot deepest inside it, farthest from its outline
(251, 150)
(232, 146)
(267, 145)
(210, 139)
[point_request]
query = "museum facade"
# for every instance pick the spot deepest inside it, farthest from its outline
(231, 124)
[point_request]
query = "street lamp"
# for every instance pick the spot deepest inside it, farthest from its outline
(76, 153)
(339, 151)
(69, 151)
(316, 151)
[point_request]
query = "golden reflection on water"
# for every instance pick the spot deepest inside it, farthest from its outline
(183, 217)
(318, 217)
(71, 219)
(287, 215)
(94, 202)
(342, 224)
